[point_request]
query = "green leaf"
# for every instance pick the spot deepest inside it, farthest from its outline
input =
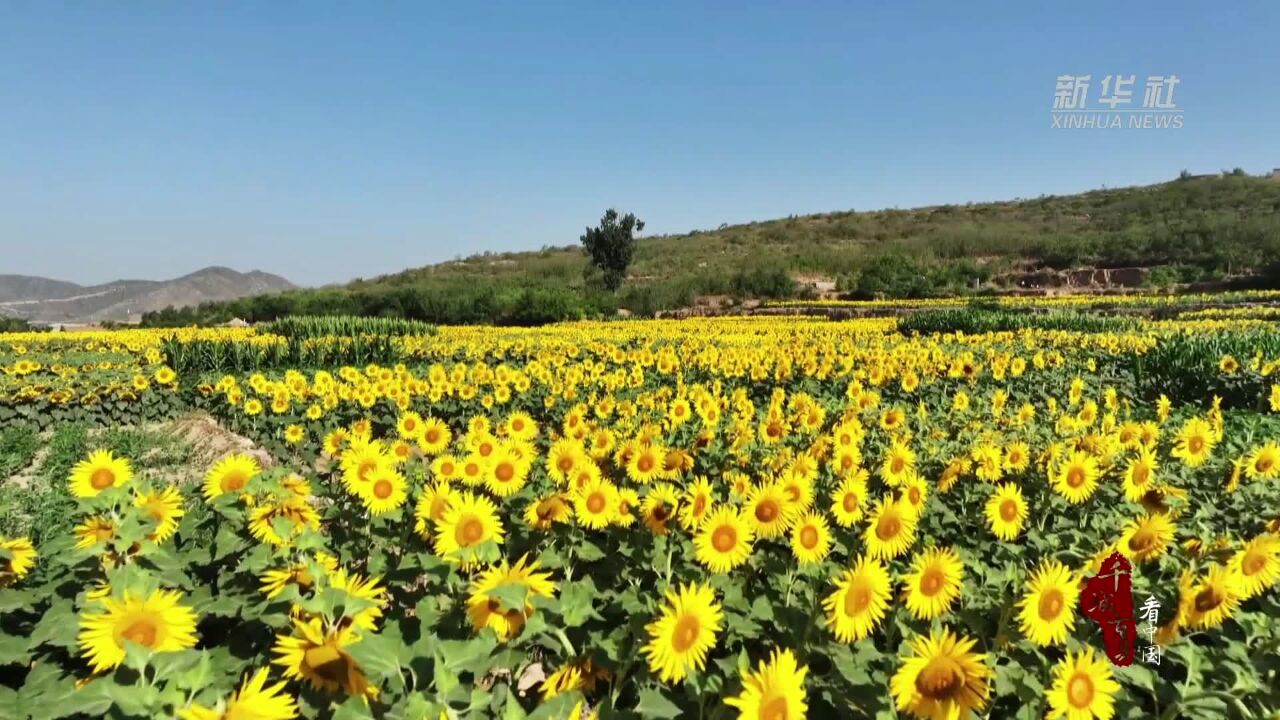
(576, 602)
(510, 596)
(588, 551)
(654, 704)
(57, 627)
(13, 649)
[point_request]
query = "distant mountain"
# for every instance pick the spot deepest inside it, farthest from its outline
(42, 300)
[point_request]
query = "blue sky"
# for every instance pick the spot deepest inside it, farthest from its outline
(329, 141)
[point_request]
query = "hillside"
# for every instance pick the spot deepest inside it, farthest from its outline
(1184, 231)
(41, 300)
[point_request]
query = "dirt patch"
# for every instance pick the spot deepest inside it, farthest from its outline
(210, 442)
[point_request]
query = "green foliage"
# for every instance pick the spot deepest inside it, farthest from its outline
(976, 320)
(611, 245)
(309, 326)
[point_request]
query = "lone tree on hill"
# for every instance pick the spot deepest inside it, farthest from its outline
(611, 245)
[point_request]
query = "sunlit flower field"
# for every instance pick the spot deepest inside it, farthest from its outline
(769, 518)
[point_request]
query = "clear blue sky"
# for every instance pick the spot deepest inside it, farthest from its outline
(328, 141)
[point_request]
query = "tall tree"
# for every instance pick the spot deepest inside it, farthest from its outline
(612, 244)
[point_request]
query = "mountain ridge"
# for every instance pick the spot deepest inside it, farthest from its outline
(45, 300)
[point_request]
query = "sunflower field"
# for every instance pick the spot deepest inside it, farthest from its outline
(716, 518)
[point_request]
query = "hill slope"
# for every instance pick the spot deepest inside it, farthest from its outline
(43, 300)
(1188, 230)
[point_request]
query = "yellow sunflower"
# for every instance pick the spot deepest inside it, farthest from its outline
(1139, 475)
(942, 679)
(507, 472)
(891, 529)
(373, 597)
(1047, 611)
(318, 655)
(848, 497)
(698, 501)
(255, 700)
(470, 521)
(230, 475)
(21, 557)
(661, 504)
(94, 530)
(810, 538)
(933, 583)
(860, 600)
(100, 471)
(596, 504)
(1076, 478)
(775, 690)
(724, 540)
(544, 512)
(681, 637)
(899, 460)
(1006, 511)
(1212, 599)
(162, 507)
(1194, 442)
(386, 490)
(434, 436)
(769, 510)
(487, 610)
(1263, 463)
(1147, 538)
(158, 622)
(1083, 687)
(297, 514)
(1257, 564)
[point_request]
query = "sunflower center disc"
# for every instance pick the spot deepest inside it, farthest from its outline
(1080, 691)
(142, 632)
(102, 479)
(686, 633)
(940, 679)
(1051, 604)
(724, 538)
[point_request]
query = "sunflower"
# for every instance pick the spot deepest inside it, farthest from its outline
(159, 623)
(1076, 478)
(162, 507)
(860, 600)
(626, 501)
(810, 538)
(775, 690)
(698, 501)
(296, 513)
(681, 637)
(646, 464)
(769, 510)
(596, 504)
(1194, 442)
(899, 460)
(1083, 687)
(254, 701)
(943, 678)
(507, 473)
(1139, 475)
(848, 497)
(1047, 610)
(914, 491)
(542, 513)
(988, 462)
(724, 540)
(661, 504)
(1006, 511)
(1017, 456)
(1213, 598)
(470, 521)
(891, 529)
(582, 675)
(1147, 538)
(385, 491)
(21, 558)
(933, 583)
(434, 437)
(371, 595)
(95, 529)
(100, 471)
(561, 459)
(1263, 463)
(230, 475)
(319, 656)
(1257, 564)
(487, 610)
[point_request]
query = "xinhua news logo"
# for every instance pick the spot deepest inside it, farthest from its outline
(1115, 105)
